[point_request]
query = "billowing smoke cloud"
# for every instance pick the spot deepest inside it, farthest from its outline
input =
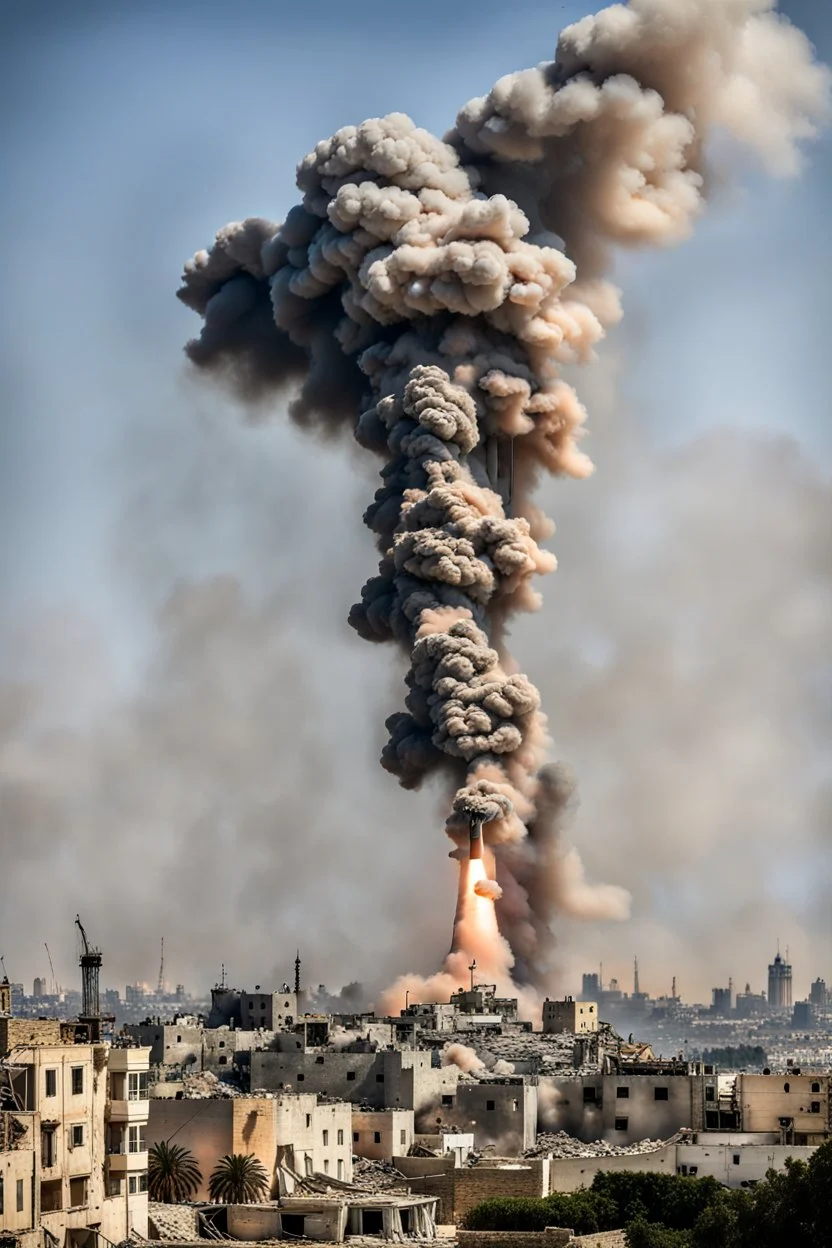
(463, 1056)
(428, 292)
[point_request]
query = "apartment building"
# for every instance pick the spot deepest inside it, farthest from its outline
(72, 1158)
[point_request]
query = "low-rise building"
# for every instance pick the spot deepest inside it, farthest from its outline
(576, 1017)
(382, 1134)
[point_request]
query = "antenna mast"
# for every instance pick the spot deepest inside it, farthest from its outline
(160, 985)
(90, 970)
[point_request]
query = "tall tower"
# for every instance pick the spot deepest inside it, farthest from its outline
(780, 984)
(636, 992)
(90, 961)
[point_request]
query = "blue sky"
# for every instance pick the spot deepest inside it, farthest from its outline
(131, 132)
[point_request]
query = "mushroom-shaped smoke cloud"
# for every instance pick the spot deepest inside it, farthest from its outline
(427, 292)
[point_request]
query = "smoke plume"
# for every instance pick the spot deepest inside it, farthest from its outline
(428, 293)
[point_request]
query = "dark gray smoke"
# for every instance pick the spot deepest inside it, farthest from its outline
(409, 277)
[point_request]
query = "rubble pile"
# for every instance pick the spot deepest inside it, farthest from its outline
(377, 1176)
(206, 1086)
(559, 1144)
(172, 1222)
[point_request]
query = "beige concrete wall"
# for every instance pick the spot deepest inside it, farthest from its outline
(764, 1099)
(552, 1237)
(567, 1174)
(737, 1165)
(204, 1127)
(500, 1115)
(17, 1166)
(563, 1107)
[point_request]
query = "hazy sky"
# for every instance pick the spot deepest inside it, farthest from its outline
(186, 761)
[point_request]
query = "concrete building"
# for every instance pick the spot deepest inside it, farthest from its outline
(386, 1079)
(291, 1135)
(73, 1158)
(621, 1108)
(794, 1106)
(500, 1113)
(780, 984)
(818, 994)
(577, 1017)
(734, 1164)
(382, 1134)
(332, 1217)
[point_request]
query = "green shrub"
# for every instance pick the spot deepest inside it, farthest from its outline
(668, 1199)
(583, 1211)
(641, 1234)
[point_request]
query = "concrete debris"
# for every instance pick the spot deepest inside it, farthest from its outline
(559, 1144)
(172, 1222)
(377, 1176)
(206, 1086)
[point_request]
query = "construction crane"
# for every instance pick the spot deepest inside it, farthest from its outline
(90, 961)
(160, 983)
(53, 983)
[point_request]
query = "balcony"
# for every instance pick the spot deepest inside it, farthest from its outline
(120, 1163)
(130, 1111)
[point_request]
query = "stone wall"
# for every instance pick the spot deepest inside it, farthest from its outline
(570, 1173)
(486, 1182)
(28, 1031)
(552, 1237)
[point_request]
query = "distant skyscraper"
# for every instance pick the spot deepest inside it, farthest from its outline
(818, 994)
(780, 984)
(591, 988)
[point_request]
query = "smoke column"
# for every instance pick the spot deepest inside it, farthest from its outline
(428, 293)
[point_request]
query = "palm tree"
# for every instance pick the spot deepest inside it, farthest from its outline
(172, 1173)
(238, 1179)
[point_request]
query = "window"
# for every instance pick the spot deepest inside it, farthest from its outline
(403, 1137)
(178, 1039)
(376, 1137)
(137, 1086)
(48, 1151)
(307, 1164)
(19, 1195)
(693, 1171)
(137, 1183)
(77, 1135)
(340, 1169)
(379, 1078)
(661, 1094)
(2, 1206)
(51, 1083)
(308, 1121)
(350, 1076)
(222, 1044)
(251, 1005)
(447, 1100)
(143, 1181)
(319, 1061)
(301, 1076)
(78, 1191)
(77, 1080)
(50, 1196)
(621, 1124)
(816, 1087)
(326, 1165)
(814, 1108)
(340, 1136)
(135, 1138)
(355, 1137)
(326, 1138)
(785, 1087)
(262, 1005)
(622, 1094)
(711, 1120)
(490, 1105)
(223, 1060)
(590, 1096)
(710, 1093)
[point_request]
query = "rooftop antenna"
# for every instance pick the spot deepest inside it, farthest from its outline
(472, 968)
(673, 989)
(600, 976)
(160, 983)
(222, 975)
(53, 983)
(297, 973)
